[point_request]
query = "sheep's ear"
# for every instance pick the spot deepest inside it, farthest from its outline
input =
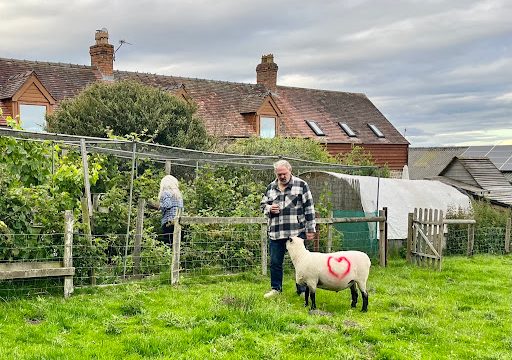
(290, 239)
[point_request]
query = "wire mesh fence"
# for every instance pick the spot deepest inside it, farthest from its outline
(487, 240)
(206, 250)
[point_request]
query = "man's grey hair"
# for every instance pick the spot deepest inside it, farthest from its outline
(281, 163)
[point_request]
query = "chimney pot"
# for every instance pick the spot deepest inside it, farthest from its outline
(102, 55)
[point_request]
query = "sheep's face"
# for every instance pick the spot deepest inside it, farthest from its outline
(295, 241)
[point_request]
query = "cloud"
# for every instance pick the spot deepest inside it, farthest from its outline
(440, 69)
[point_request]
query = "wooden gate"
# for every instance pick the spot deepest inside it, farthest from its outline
(425, 237)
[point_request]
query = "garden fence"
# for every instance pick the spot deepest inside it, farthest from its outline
(207, 247)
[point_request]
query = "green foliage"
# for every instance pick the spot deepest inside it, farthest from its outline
(305, 149)
(489, 228)
(358, 157)
(28, 163)
(128, 107)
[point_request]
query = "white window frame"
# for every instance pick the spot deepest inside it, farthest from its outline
(32, 124)
(347, 129)
(376, 130)
(264, 135)
(315, 127)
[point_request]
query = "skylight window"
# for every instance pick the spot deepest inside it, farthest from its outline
(347, 129)
(376, 130)
(314, 126)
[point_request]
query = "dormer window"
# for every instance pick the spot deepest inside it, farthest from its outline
(32, 117)
(347, 129)
(267, 127)
(316, 129)
(376, 130)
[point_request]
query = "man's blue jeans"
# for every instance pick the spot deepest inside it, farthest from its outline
(277, 251)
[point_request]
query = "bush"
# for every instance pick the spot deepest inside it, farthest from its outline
(128, 107)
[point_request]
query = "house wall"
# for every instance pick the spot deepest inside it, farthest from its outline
(394, 155)
(6, 107)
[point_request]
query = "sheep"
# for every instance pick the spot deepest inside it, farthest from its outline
(333, 271)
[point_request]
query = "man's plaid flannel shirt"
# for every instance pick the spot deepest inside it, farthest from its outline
(297, 210)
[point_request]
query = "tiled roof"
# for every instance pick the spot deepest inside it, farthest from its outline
(222, 104)
(61, 80)
(13, 83)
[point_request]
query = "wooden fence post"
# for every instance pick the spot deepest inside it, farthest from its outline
(264, 245)
(382, 240)
(329, 232)
(139, 227)
(176, 246)
(507, 235)
(471, 239)
(68, 251)
(409, 237)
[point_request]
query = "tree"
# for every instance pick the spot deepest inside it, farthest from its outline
(127, 107)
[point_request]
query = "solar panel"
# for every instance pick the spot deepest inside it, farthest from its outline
(477, 151)
(500, 155)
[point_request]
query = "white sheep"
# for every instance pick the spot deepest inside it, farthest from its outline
(333, 271)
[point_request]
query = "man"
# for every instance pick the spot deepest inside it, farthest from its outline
(288, 205)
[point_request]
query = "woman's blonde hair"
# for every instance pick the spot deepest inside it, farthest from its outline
(169, 183)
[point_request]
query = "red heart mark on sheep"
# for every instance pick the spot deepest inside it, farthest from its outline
(338, 267)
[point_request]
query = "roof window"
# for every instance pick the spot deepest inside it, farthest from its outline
(316, 129)
(347, 129)
(376, 130)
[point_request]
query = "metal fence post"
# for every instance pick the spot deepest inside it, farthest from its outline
(139, 227)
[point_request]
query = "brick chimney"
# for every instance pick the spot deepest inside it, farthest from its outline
(102, 55)
(266, 72)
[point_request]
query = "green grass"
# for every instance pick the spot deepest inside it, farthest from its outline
(463, 312)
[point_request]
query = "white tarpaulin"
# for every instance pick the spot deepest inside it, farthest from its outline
(402, 196)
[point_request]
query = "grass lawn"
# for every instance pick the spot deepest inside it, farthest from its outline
(462, 312)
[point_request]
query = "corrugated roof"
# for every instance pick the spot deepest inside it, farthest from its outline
(486, 175)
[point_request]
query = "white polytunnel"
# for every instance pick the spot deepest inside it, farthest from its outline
(352, 192)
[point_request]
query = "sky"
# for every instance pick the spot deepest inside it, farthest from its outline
(439, 70)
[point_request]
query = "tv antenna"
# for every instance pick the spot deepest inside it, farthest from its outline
(121, 43)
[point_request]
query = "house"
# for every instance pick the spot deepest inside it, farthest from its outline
(340, 120)
(477, 170)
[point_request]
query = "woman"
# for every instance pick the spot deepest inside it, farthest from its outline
(170, 201)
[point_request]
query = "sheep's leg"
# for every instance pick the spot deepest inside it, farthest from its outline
(300, 288)
(306, 296)
(313, 300)
(353, 292)
(364, 294)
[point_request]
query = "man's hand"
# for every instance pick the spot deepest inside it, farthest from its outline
(310, 235)
(275, 209)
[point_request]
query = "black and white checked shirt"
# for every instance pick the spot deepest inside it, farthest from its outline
(297, 210)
